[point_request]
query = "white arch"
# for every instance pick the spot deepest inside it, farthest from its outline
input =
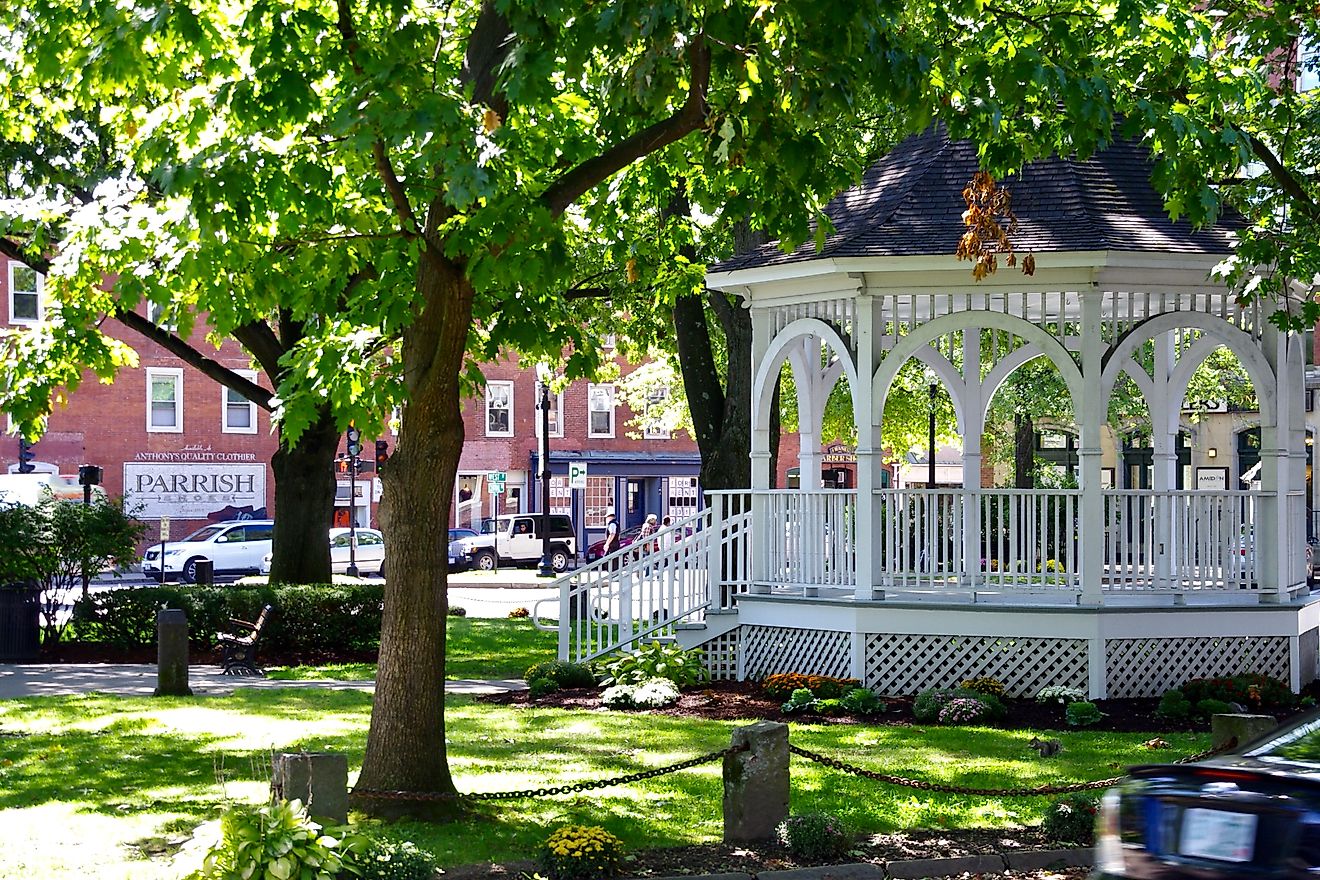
(1237, 341)
(909, 346)
(1192, 358)
(777, 352)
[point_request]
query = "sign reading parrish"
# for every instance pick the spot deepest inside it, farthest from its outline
(192, 491)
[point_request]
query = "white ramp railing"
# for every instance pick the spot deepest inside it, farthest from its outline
(642, 592)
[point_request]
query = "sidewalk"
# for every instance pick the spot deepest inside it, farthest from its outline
(55, 679)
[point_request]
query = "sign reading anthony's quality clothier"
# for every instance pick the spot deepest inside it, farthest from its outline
(185, 490)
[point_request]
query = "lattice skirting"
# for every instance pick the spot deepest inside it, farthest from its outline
(1149, 667)
(772, 649)
(721, 655)
(898, 663)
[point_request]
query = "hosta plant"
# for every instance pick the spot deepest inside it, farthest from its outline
(277, 841)
(657, 660)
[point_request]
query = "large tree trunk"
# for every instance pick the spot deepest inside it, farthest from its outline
(1024, 451)
(721, 415)
(304, 505)
(406, 742)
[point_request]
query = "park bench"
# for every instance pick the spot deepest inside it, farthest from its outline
(240, 651)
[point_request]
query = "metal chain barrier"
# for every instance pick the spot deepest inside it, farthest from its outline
(433, 797)
(1035, 791)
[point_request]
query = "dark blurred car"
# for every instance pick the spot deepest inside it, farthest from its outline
(626, 537)
(457, 560)
(1253, 812)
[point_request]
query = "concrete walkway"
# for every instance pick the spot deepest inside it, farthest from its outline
(55, 679)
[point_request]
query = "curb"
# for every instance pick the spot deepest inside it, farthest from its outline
(918, 869)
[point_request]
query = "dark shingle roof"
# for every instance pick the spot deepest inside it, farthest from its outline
(910, 204)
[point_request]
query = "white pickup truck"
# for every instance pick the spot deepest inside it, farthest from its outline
(515, 538)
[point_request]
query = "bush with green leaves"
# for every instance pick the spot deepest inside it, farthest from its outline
(457, 611)
(985, 685)
(539, 687)
(1071, 819)
(1255, 691)
(562, 673)
(391, 860)
(1174, 707)
(657, 660)
(814, 836)
(276, 841)
(800, 700)
(1083, 713)
(930, 702)
(862, 702)
(1210, 707)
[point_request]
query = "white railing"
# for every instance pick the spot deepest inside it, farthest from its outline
(1004, 538)
(1181, 540)
(811, 538)
(642, 592)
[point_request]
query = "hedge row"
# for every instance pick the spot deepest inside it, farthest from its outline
(320, 617)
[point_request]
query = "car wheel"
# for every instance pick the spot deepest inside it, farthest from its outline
(559, 559)
(188, 574)
(485, 561)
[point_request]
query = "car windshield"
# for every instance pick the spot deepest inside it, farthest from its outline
(205, 533)
(1299, 744)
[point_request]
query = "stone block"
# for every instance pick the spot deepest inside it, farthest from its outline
(950, 867)
(1243, 726)
(859, 871)
(318, 779)
(172, 653)
(756, 783)
(1039, 860)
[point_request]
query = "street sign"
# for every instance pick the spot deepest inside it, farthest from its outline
(577, 475)
(164, 528)
(495, 488)
(497, 477)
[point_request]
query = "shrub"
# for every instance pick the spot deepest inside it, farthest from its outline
(985, 685)
(656, 693)
(800, 700)
(1083, 713)
(580, 852)
(1254, 691)
(782, 685)
(619, 696)
(457, 611)
(1071, 819)
(392, 860)
(1206, 708)
(863, 702)
(1057, 693)
(927, 705)
(276, 840)
(829, 707)
(539, 687)
(814, 836)
(657, 660)
(963, 710)
(1174, 706)
(314, 618)
(562, 673)
(1307, 702)
(519, 613)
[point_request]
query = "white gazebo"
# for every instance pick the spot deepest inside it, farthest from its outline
(1120, 592)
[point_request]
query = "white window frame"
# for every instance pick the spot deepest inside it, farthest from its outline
(592, 393)
(225, 403)
(556, 415)
(654, 428)
(508, 386)
(175, 373)
(14, 268)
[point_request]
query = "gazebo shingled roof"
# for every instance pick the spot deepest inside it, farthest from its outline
(910, 204)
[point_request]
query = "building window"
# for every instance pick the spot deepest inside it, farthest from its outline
(556, 415)
(499, 409)
(655, 426)
(165, 400)
(1308, 64)
(599, 501)
(600, 411)
(561, 497)
(239, 415)
(25, 286)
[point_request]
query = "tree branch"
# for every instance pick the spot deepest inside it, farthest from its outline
(260, 341)
(1287, 182)
(488, 47)
(686, 119)
(11, 249)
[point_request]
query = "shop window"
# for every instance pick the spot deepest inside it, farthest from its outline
(599, 500)
(561, 497)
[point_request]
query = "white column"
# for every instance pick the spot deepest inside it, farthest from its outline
(867, 339)
(761, 339)
(1280, 526)
(1164, 426)
(1091, 413)
(973, 410)
(811, 410)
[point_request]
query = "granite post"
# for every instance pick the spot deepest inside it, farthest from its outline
(756, 783)
(318, 779)
(172, 653)
(1242, 726)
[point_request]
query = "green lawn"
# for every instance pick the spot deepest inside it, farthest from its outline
(477, 648)
(87, 784)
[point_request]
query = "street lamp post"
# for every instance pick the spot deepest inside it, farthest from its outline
(543, 376)
(354, 445)
(930, 474)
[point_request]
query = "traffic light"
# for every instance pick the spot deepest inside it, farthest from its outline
(25, 456)
(341, 464)
(382, 454)
(354, 437)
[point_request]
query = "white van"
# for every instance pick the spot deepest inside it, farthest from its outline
(235, 547)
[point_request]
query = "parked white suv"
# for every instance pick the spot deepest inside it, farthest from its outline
(516, 538)
(235, 547)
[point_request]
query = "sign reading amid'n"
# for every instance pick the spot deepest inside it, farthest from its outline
(192, 491)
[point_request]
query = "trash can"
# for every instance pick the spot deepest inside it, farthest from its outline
(205, 571)
(20, 622)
